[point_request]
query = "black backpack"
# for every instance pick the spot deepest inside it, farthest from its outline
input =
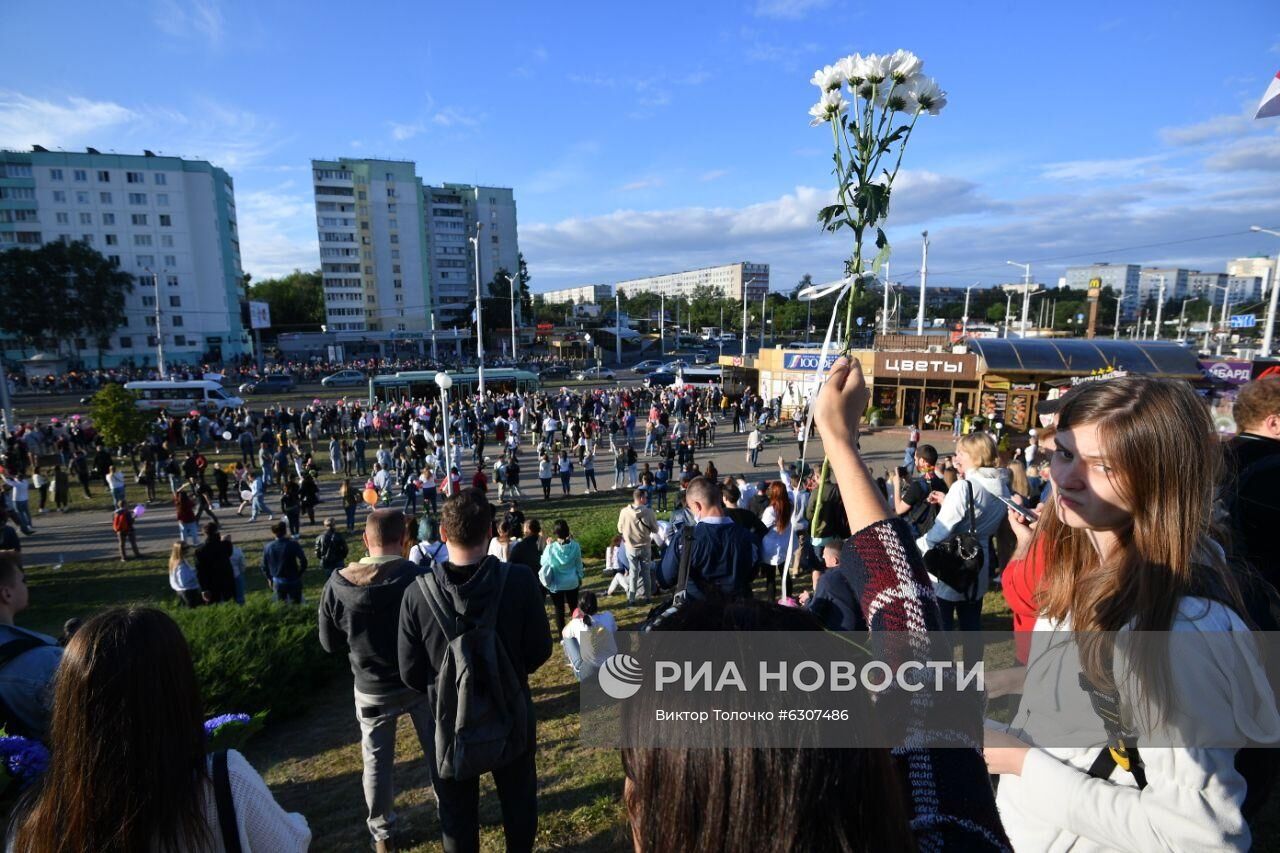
(481, 711)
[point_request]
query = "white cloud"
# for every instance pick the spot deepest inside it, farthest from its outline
(277, 230)
(713, 175)
(400, 132)
(27, 121)
(191, 19)
(788, 9)
(642, 184)
(1210, 130)
(1099, 170)
(445, 117)
(1248, 155)
(455, 117)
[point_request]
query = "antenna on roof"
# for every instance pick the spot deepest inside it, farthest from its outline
(93, 150)
(39, 149)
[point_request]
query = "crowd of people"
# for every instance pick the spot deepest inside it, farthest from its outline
(1122, 513)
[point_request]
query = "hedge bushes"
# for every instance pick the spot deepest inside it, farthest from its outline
(263, 656)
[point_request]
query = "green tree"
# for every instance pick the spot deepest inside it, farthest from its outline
(87, 290)
(117, 417)
(296, 300)
(995, 313)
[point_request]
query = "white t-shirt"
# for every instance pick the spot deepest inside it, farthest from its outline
(596, 642)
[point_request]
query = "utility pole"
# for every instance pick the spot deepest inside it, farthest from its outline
(1269, 331)
(617, 328)
(1008, 308)
(1026, 292)
(662, 323)
(155, 289)
(1182, 320)
(479, 316)
(1159, 310)
(764, 304)
(1226, 315)
(884, 314)
(964, 322)
(1115, 333)
(924, 277)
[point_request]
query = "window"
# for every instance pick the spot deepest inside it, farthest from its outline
(137, 198)
(138, 218)
(126, 343)
(63, 218)
(148, 301)
(86, 219)
(55, 174)
(395, 254)
(162, 199)
(179, 340)
(165, 220)
(172, 281)
(397, 283)
(80, 175)
(393, 223)
(175, 302)
(108, 219)
(146, 260)
(27, 194)
(14, 170)
(395, 238)
(151, 339)
(391, 207)
(104, 176)
(82, 198)
(399, 297)
(166, 240)
(133, 177)
(177, 321)
(86, 238)
(111, 239)
(170, 260)
(161, 179)
(363, 196)
(395, 269)
(115, 259)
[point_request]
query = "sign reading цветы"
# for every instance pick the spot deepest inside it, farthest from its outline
(926, 365)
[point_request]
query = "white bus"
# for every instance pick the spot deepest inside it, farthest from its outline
(201, 394)
(700, 374)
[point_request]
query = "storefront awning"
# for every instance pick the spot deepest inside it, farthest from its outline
(1080, 357)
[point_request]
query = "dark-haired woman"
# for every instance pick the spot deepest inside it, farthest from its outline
(129, 767)
(588, 639)
(562, 571)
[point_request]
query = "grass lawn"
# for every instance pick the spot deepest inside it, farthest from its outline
(312, 760)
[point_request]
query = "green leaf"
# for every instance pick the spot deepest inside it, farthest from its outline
(881, 240)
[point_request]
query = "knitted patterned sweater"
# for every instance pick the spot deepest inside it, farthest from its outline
(948, 790)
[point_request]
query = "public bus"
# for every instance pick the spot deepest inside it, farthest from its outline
(700, 374)
(421, 384)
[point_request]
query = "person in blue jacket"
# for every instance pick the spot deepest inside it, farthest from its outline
(723, 553)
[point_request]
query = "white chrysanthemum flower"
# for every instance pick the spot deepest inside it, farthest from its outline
(849, 68)
(903, 65)
(828, 77)
(929, 95)
(830, 106)
(902, 100)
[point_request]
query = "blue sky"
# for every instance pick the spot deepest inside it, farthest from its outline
(644, 138)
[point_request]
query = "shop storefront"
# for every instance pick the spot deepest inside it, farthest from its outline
(789, 374)
(924, 387)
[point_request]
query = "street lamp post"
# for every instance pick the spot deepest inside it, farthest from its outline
(475, 241)
(1008, 308)
(744, 314)
(155, 287)
(1182, 319)
(617, 327)
(764, 306)
(1115, 333)
(1226, 315)
(924, 277)
(964, 322)
(662, 323)
(1268, 333)
(1026, 292)
(1159, 310)
(444, 381)
(513, 316)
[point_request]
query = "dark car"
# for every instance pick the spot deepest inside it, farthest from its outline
(274, 383)
(660, 379)
(555, 371)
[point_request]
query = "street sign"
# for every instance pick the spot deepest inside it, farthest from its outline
(1243, 321)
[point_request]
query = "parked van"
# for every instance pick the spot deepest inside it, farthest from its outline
(183, 395)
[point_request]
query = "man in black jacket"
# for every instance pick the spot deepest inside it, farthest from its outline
(471, 580)
(359, 609)
(1249, 495)
(213, 567)
(331, 548)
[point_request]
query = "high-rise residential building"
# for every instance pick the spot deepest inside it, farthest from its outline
(452, 213)
(1261, 266)
(169, 222)
(398, 255)
(1210, 286)
(1123, 279)
(729, 281)
(1174, 280)
(587, 294)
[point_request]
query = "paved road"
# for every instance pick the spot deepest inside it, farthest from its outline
(86, 534)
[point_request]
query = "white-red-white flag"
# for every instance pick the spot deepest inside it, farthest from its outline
(1270, 104)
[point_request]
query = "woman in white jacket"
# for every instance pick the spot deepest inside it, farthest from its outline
(975, 461)
(1140, 595)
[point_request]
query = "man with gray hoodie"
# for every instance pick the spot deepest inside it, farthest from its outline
(360, 608)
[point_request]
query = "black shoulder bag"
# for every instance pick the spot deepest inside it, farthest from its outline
(225, 803)
(958, 561)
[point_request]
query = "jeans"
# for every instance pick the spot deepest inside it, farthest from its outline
(286, 590)
(239, 589)
(546, 488)
(377, 716)
(965, 616)
(117, 495)
(754, 455)
(23, 508)
(590, 475)
(564, 600)
(459, 805)
(638, 582)
(189, 531)
(564, 483)
(259, 505)
(351, 517)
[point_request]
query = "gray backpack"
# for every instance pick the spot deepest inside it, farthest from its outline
(481, 712)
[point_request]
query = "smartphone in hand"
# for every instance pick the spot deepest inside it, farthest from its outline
(1021, 510)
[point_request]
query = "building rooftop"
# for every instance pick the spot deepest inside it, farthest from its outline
(1081, 357)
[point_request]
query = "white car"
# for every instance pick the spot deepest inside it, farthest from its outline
(675, 366)
(343, 378)
(594, 373)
